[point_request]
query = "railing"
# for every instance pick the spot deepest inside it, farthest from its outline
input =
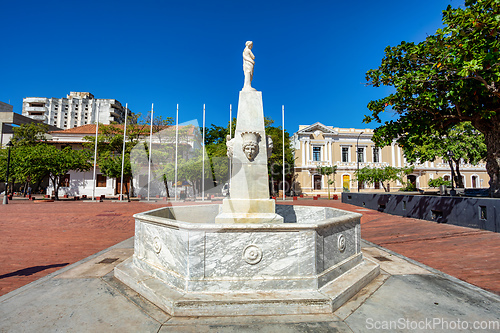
(348, 164)
(35, 108)
(446, 166)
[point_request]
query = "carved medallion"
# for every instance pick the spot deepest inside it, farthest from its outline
(156, 244)
(341, 243)
(252, 254)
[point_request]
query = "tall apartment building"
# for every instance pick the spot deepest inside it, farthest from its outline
(77, 109)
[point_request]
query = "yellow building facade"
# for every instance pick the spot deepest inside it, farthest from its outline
(349, 148)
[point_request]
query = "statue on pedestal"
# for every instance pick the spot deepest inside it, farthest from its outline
(248, 64)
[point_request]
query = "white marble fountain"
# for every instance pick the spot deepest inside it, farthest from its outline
(247, 256)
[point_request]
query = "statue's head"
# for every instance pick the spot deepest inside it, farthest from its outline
(249, 44)
(250, 144)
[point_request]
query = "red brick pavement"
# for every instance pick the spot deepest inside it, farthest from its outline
(39, 238)
(469, 254)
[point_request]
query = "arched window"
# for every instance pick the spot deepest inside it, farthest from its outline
(474, 181)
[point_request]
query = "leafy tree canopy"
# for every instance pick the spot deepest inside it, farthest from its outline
(29, 134)
(453, 76)
(382, 175)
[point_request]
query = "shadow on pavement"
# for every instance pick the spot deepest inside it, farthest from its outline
(31, 270)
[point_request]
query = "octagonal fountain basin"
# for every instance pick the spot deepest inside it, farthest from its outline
(187, 264)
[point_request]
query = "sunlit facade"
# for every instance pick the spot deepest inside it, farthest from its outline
(319, 145)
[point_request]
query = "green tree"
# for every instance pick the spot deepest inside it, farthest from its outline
(29, 134)
(110, 148)
(438, 182)
(275, 162)
(382, 175)
(215, 144)
(327, 171)
(43, 159)
(462, 140)
(451, 77)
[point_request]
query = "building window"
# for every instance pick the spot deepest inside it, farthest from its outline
(361, 154)
(376, 155)
(345, 154)
(101, 181)
(316, 153)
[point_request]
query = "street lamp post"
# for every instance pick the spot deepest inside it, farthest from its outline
(450, 161)
(5, 197)
(357, 156)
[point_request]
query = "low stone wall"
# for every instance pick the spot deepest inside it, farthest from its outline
(479, 213)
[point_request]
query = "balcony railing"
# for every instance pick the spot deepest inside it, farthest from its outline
(349, 165)
(35, 108)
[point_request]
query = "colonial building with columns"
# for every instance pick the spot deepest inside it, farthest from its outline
(349, 148)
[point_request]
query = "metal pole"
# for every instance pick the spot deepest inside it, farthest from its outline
(283, 122)
(176, 144)
(357, 155)
(150, 148)
(230, 137)
(123, 150)
(95, 152)
(6, 194)
(203, 166)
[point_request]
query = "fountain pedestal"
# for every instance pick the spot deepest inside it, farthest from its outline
(190, 266)
(247, 256)
(249, 202)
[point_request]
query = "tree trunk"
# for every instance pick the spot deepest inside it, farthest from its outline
(128, 192)
(56, 187)
(458, 176)
(492, 140)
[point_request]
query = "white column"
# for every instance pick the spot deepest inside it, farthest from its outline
(399, 156)
(303, 148)
(326, 151)
(393, 155)
(307, 151)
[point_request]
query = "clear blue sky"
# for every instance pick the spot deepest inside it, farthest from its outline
(311, 56)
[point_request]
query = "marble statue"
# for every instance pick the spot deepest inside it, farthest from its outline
(248, 64)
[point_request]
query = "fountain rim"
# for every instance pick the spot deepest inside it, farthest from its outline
(347, 217)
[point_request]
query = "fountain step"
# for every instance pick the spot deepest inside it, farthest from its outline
(176, 303)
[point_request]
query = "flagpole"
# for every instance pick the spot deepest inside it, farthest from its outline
(123, 150)
(203, 166)
(150, 148)
(283, 121)
(95, 152)
(230, 137)
(176, 144)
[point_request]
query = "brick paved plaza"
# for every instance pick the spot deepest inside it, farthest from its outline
(39, 238)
